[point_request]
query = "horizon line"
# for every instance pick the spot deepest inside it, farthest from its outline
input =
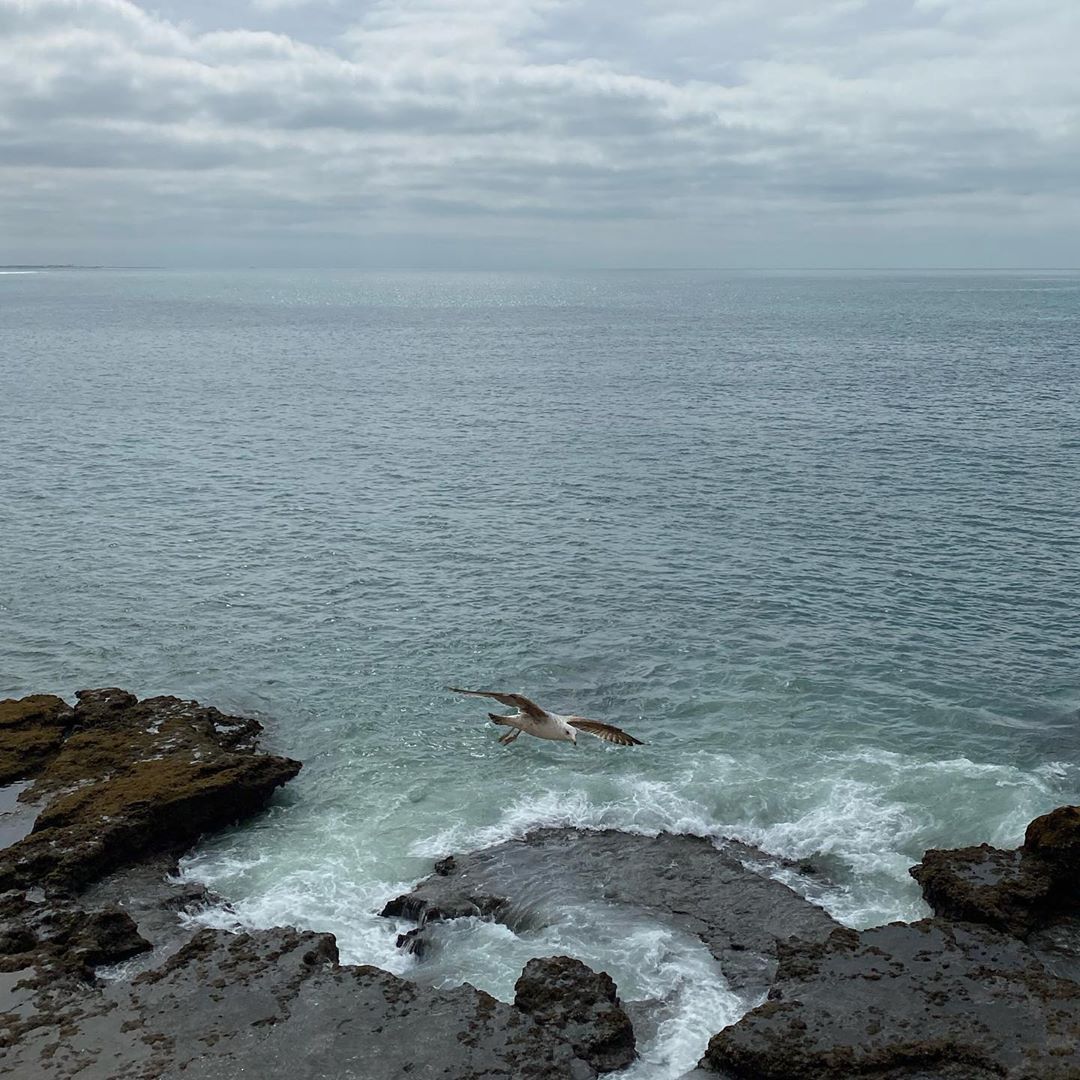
(516, 269)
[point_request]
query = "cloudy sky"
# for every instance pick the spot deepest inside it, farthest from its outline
(541, 132)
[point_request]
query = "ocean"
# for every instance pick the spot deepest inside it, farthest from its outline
(814, 537)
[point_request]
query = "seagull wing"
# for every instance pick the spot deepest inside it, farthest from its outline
(607, 732)
(517, 701)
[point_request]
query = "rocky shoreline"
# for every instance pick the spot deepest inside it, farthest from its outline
(97, 801)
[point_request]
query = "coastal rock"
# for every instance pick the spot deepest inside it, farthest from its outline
(584, 1007)
(120, 788)
(1019, 891)
(688, 881)
(1055, 839)
(987, 885)
(242, 1005)
(990, 987)
(31, 731)
(63, 936)
(931, 999)
(124, 779)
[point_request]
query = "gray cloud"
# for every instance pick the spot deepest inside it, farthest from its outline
(705, 133)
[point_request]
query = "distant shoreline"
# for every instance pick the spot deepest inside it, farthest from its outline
(33, 267)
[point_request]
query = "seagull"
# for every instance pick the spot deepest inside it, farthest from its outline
(533, 720)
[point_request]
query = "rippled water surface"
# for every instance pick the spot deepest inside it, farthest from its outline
(815, 538)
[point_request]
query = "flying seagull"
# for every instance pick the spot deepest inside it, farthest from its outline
(533, 720)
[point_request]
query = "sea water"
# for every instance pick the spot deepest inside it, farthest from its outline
(813, 537)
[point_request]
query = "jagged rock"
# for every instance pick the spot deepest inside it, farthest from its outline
(687, 881)
(988, 988)
(1018, 891)
(230, 1006)
(984, 884)
(123, 787)
(583, 1005)
(126, 779)
(932, 999)
(58, 935)
(1055, 838)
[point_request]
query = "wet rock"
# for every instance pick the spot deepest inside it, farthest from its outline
(242, 1005)
(931, 998)
(124, 779)
(686, 881)
(984, 884)
(414, 942)
(63, 936)
(1019, 891)
(156, 902)
(583, 1005)
(1055, 839)
(988, 988)
(124, 786)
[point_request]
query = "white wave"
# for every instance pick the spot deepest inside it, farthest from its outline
(647, 807)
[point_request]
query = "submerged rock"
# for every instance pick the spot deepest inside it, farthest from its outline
(687, 881)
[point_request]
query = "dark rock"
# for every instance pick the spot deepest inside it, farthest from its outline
(149, 895)
(583, 1005)
(125, 786)
(985, 884)
(230, 1006)
(1058, 947)
(413, 941)
(687, 881)
(61, 935)
(989, 988)
(930, 999)
(1018, 891)
(1055, 838)
(124, 779)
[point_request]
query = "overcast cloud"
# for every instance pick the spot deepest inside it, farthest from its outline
(541, 132)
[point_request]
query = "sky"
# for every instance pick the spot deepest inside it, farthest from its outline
(541, 133)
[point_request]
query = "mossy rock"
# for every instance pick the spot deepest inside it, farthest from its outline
(31, 731)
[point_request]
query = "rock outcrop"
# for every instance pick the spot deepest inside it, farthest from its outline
(927, 999)
(31, 731)
(114, 789)
(989, 987)
(278, 1004)
(121, 779)
(740, 914)
(1018, 891)
(565, 995)
(120, 788)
